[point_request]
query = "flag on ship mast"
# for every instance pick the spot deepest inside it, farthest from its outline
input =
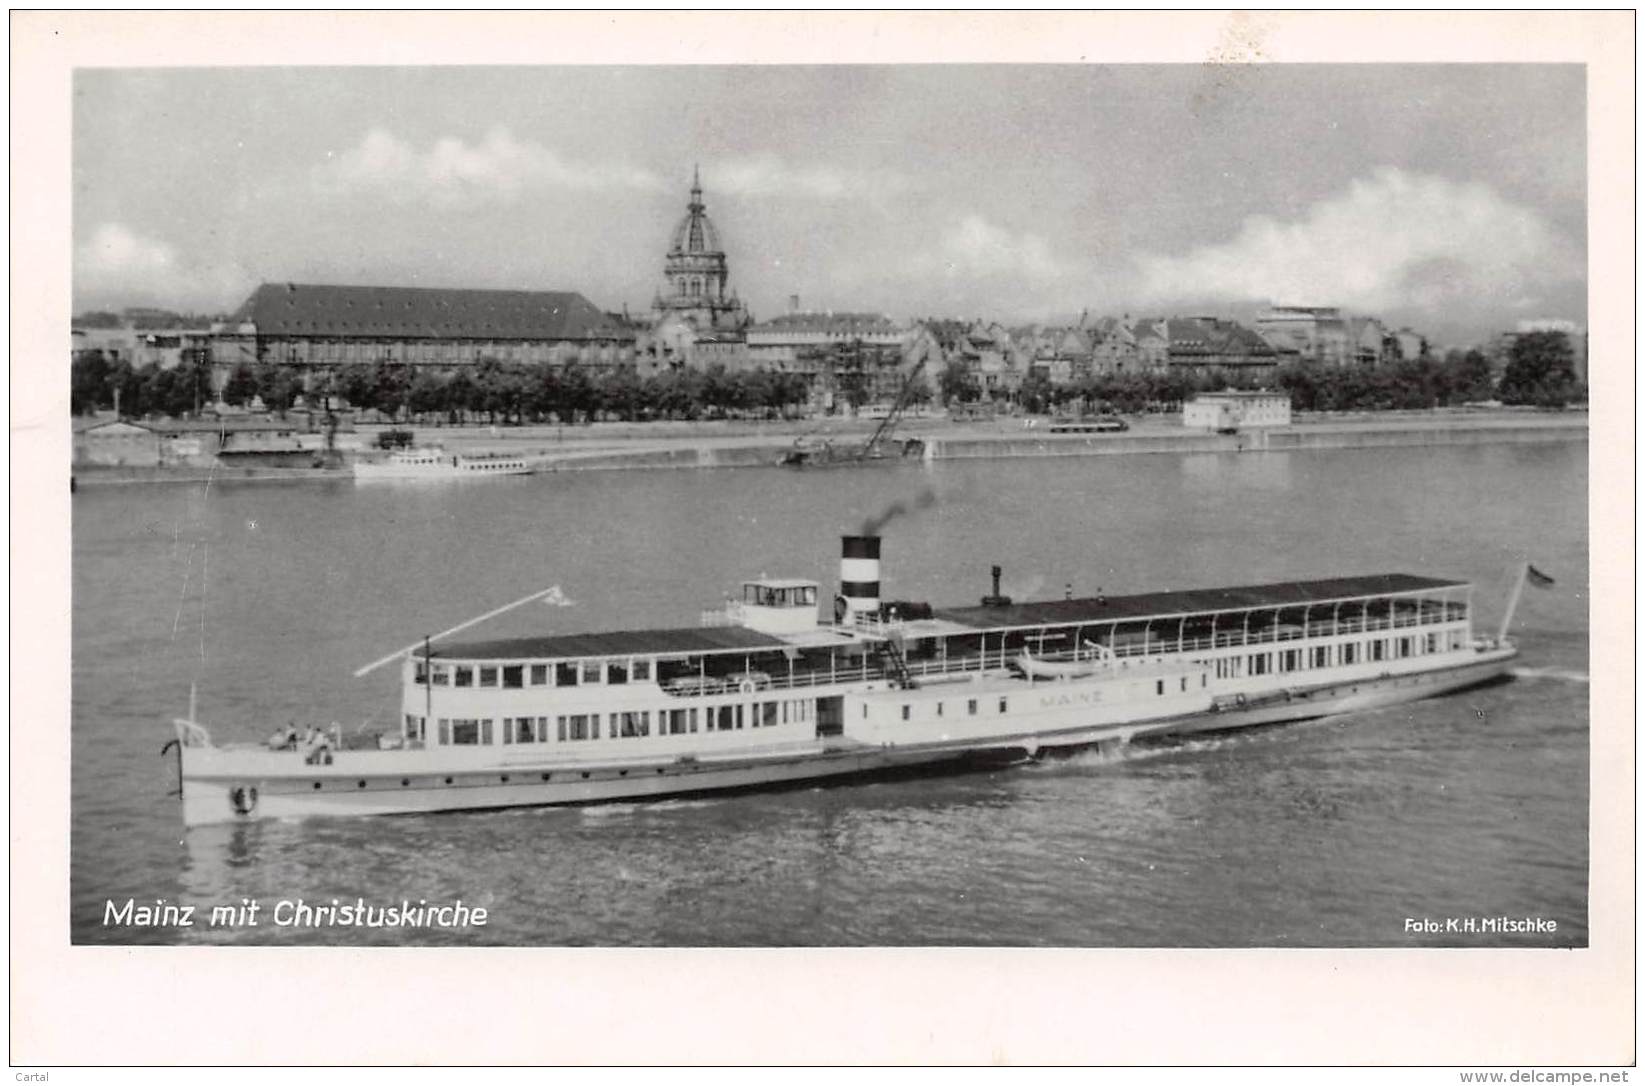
(1537, 577)
(1529, 574)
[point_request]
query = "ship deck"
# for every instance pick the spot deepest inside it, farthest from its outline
(694, 641)
(681, 641)
(1199, 601)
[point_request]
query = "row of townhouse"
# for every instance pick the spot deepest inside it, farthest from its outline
(820, 345)
(1001, 358)
(1326, 336)
(139, 347)
(1192, 345)
(844, 356)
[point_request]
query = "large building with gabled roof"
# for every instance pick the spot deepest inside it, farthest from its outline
(1210, 345)
(317, 326)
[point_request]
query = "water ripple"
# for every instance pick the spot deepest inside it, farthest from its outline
(1326, 833)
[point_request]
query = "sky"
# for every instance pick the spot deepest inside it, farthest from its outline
(1450, 198)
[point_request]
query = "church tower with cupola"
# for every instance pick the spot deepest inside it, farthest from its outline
(696, 276)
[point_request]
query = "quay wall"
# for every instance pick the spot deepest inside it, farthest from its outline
(131, 476)
(731, 453)
(710, 455)
(1431, 435)
(1251, 441)
(684, 456)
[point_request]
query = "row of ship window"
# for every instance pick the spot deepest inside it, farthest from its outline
(1264, 663)
(572, 727)
(1005, 703)
(572, 673)
(970, 708)
(1342, 655)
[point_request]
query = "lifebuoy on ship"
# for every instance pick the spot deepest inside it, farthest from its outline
(840, 608)
(243, 798)
(746, 686)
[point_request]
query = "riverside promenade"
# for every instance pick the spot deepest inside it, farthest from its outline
(720, 445)
(729, 444)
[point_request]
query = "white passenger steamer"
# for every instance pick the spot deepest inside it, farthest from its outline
(765, 692)
(434, 462)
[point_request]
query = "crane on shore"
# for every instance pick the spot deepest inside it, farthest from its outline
(878, 443)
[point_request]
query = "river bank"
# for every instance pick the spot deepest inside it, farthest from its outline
(1339, 434)
(652, 446)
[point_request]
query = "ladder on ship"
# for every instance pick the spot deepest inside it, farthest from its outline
(892, 661)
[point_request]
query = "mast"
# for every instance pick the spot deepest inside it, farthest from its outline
(395, 655)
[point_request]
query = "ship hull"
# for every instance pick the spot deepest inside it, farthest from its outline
(209, 799)
(1358, 696)
(237, 785)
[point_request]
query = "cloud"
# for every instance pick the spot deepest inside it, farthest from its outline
(983, 266)
(1393, 240)
(452, 172)
(966, 263)
(118, 262)
(114, 249)
(768, 175)
(974, 248)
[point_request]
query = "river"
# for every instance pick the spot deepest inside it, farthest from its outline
(1329, 833)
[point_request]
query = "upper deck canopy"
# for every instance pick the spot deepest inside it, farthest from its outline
(1099, 609)
(694, 640)
(684, 641)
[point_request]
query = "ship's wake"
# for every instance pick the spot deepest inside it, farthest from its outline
(1561, 674)
(613, 809)
(629, 808)
(1175, 746)
(1125, 753)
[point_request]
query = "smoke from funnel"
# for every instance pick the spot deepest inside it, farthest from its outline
(924, 500)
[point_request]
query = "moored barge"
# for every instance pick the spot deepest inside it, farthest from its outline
(777, 687)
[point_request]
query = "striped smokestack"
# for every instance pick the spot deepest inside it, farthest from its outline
(859, 575)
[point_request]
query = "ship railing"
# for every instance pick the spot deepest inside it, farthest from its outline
(872, 623)
(868, 623)
(865, 670)
(1271, 635)
(728, 615)
(991, 660)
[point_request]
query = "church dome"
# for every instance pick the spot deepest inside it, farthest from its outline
(696, 233)
(695, 274)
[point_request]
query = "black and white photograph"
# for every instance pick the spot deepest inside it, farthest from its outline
(1024, 502)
